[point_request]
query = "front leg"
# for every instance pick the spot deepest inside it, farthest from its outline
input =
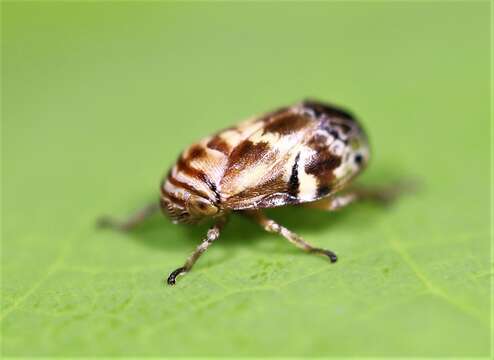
(211, 236)
(131, 221)
(273, 227)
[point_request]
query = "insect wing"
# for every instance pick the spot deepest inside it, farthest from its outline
(263, 169)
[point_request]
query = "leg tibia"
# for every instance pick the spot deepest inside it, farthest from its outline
(211, 236)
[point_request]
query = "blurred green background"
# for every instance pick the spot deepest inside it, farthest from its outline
(98, 100)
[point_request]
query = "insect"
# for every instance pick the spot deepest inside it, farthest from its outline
(304, 154)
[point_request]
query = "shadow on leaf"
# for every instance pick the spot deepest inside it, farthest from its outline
(158, 233)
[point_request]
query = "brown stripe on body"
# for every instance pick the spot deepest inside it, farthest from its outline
(183, 165)
(196, 152)
(246, 154)
(183, 185)
(172, 198)
(219, 144)
(322, 166)
(272, 186)
(318, 142)
(286, 124)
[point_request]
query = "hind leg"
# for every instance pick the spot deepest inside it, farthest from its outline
(381, 195)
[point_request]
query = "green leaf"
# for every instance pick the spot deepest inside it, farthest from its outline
(99, 98)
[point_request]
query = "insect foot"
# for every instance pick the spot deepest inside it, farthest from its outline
(331, 255)
(174, 274)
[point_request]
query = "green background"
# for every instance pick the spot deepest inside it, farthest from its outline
(98, 100)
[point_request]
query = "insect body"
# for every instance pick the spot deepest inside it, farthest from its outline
(294, 155)
(303, 154)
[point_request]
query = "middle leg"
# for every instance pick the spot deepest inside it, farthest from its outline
(273, 227)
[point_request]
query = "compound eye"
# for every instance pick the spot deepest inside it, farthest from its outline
(202, 207)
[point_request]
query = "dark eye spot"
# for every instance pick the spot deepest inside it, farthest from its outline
(334, 134)
(358, 159)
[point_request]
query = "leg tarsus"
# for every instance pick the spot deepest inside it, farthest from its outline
(331, 255)
(174, 274)
(107, 222)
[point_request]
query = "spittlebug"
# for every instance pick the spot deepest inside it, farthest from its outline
(307, 154)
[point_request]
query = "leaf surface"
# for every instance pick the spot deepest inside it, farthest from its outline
(99, 99)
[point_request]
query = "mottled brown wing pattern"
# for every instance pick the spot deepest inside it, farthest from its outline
(301, 154)
(292, 155)
(260, 167)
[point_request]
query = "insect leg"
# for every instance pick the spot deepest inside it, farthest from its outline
(335, 202)
(211, 236)
(381, 195)
(129, 223)
(273, 227)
